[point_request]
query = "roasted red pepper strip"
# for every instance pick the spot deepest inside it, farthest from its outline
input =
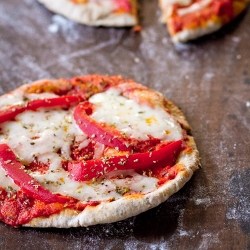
(54, 102)
(100, 132)
(11, 112)
(32, 188)
(166, 156)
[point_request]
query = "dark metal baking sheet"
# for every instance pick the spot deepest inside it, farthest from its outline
(209, 79)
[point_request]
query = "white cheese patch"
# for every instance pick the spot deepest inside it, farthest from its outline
(19, 97)
(165, 3)
(137, 183)
(133, 119)
(39, 134)
(194, 7)
(11, 99)
(35, 96)
(59, 182)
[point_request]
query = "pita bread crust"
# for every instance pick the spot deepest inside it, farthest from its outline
(191, 34)
(91, 13)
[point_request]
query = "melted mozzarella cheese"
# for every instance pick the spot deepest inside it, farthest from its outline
(194, 7)
(11, 99)
(59, 182)
(133, 119)
(165, 3)
(19, 97)
(40, 134)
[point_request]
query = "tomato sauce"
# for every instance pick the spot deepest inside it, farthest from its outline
(16, 208)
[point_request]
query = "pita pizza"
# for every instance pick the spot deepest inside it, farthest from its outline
(89, 150)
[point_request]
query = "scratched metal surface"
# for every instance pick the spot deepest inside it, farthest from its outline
(208, 79)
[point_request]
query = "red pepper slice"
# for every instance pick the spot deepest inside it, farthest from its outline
(54, 102)
(123, 5)
(11, 112)
(100, 132)
(166, 156)
(31, 187)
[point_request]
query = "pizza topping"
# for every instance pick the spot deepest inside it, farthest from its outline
(15, 170)
(107, 135)
(165, 3)
(87, 170)
(46, 141)
(11, 112)
(59, 129)
(132, 119)
(194, 7)
(108, 154)
(12, 98)
(99, 131)
(98, 190)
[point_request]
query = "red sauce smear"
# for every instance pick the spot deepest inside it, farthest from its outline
(16, 208)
